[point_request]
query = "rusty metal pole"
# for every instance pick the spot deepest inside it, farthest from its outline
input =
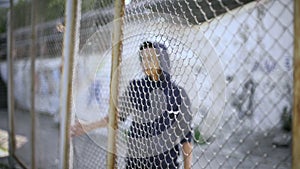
(32, 87)
(117, 45)
(296, 107)
(71, 45)
(10, 93)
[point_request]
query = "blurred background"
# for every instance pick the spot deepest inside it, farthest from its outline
(233, 57)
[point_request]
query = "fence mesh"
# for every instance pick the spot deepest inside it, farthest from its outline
(39, 35)
(228, 67)
(218, 90)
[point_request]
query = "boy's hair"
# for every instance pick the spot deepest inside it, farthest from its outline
(161, 51)
(148, 44)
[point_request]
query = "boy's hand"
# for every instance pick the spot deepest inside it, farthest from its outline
(78, 129)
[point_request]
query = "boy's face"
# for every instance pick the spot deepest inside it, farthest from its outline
(150, 61)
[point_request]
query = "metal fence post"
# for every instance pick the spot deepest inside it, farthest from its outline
(10, 96)
(32, 87)
(71, 43)
(116, 59)
(296, 107)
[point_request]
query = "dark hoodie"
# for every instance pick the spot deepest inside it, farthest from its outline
(161, 118)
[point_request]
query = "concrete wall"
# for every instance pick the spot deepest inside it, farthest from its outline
(253, 45)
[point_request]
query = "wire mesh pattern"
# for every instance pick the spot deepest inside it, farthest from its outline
(160, 113)
(39, 35)
(206, 81)
(85, 150)
(238, 49)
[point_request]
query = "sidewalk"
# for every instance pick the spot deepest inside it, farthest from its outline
(255, 151)
(46, 140)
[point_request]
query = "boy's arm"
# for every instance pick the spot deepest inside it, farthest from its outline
(80, 128)
(187, 154)
(185, 121)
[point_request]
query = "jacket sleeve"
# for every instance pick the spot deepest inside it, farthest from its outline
(125, 102)
(185, 118)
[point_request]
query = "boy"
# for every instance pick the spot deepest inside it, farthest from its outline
(161, 118)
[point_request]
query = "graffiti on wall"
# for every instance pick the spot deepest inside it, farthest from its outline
(243, 101)
(47, 82)
(269, 65)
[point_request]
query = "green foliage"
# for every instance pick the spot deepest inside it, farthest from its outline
(198, 138)
(3, 166)
(55, 9)
(21, 14)
(89, 5)
(3, 16)
(286, 118)
(49, 10)
(46, 10)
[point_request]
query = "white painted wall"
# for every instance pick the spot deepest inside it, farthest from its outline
(233, 38)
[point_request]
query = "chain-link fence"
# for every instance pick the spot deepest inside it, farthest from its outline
(37, 35)
(200, 84)
(224, 85)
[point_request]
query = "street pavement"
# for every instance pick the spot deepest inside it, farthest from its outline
(239, 150)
